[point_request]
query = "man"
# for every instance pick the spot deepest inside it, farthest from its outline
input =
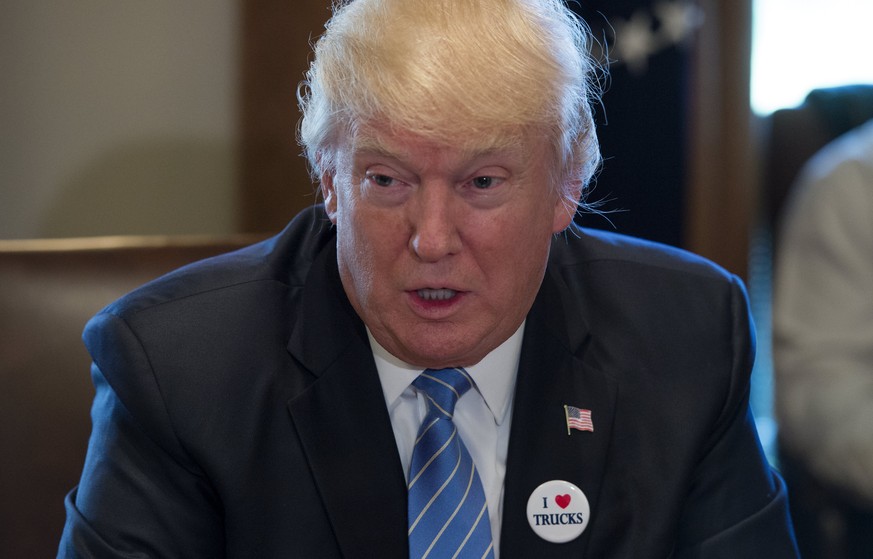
(433, 364)
(823, 338)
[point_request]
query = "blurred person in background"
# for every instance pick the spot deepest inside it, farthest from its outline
(823, 345)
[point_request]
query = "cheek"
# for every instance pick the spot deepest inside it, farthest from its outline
(530, 247)
(516, 257)
(368, 246)
(356, 267)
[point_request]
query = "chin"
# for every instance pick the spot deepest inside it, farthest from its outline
(441, 356)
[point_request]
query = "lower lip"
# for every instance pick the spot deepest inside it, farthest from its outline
(434, 306)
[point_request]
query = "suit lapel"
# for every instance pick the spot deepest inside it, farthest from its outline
(346, 433)
(343, 424)
(555, 370)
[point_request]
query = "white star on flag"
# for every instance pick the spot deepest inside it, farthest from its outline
(649, 31)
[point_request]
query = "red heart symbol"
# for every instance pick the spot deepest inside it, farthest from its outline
(563, 501)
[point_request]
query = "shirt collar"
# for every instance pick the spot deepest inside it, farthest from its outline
(494, 375)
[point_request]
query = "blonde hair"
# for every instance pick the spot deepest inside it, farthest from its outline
(455, 69)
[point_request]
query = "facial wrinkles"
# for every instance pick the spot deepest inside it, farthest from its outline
(465, 144)
(356, 256)
(493, 257)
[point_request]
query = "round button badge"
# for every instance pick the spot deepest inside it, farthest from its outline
(558, 511)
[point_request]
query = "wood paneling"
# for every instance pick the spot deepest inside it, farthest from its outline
(722, 180)
(274, 182)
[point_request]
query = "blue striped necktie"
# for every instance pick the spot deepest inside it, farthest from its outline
(448, 515)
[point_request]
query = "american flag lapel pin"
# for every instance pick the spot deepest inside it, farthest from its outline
(578, 418)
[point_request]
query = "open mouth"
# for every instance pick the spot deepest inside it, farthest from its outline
(442, 294)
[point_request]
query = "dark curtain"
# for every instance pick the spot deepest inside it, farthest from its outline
(642, 123)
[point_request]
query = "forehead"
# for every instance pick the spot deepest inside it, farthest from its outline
(406, 144)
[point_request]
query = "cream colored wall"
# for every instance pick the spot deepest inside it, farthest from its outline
(117, 117)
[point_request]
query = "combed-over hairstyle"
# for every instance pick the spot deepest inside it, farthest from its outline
(455, 71)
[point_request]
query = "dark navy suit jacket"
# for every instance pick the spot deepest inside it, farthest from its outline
(238, 412)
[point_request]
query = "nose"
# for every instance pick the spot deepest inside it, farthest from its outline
(434, 218)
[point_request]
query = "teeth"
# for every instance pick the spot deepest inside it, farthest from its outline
(436, 294)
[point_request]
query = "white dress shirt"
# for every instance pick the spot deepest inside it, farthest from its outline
(823, 315)
(483, 415)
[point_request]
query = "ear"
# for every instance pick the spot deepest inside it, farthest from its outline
(565, 210)
(328, 191)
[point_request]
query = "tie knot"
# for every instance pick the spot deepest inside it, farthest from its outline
(443, 388)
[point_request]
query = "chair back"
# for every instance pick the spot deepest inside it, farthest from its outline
(48, 291)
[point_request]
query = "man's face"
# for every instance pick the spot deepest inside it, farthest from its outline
(441, 250)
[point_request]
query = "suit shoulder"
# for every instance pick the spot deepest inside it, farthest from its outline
(283, 260)
(616, 252)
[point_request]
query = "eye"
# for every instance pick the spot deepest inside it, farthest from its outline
(488, 187)
(484, 183)
(380, 180)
